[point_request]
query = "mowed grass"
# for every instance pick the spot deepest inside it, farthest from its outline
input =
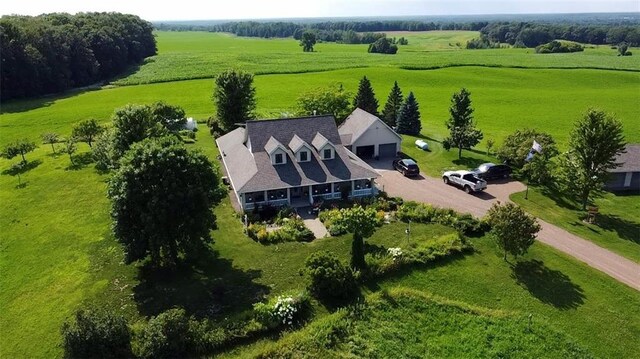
(195, 55)
(504, 99)
(617, 225)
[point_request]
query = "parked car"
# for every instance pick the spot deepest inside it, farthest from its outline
(466, 180)
(489, 171)
(422, 145)
(406, 166)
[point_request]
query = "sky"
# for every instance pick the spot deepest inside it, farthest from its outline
(264, 9)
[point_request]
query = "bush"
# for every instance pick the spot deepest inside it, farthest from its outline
(291, 230)
(383, 46)
(96, 334)
(284, 310)
(329, 278)
(171, 334)
(559, 47)
(425, 213)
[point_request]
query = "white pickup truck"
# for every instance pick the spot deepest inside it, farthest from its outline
(466, 180)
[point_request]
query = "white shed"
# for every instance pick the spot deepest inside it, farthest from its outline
(368, 136)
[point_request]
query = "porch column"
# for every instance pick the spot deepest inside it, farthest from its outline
(266, 199)
(310, 194)
(289, 196)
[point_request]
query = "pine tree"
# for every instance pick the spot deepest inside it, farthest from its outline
(463, 131)
(409, 117)
(392, 107)
(365, 98)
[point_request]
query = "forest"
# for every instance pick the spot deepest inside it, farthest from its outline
(522, 34)
(51, 53)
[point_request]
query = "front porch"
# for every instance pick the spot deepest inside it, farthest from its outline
(302, 196)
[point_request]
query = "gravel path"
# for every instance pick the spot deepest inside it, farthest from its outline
(434, 191)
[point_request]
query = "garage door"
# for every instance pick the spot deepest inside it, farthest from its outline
(387, 150)
(365, 152)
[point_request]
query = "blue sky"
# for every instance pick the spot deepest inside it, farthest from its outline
(243, 9)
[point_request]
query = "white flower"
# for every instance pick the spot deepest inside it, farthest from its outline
(395, 252)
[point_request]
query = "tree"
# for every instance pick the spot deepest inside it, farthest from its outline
(513, 229)
(104, 152)
(391, 109)
(517, 146)
(86, 131)
(623, 48)
(96, 333)
(383, 46)
(409, 117)
(332, 100)
(161, 200)
(595, 142)
(329, 278)
(362, 223)
(171, 334)
(307, 41)
(51, 138)
(490, 143)
(173, 118)
(19, 147)
(235, 98)
(463, 133)
(365, 98)
(70, 147)
(133, 123)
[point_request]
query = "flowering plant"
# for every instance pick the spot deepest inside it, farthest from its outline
(282, 310)
(395, 252)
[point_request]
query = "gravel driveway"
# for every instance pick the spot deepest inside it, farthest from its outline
(433, 190)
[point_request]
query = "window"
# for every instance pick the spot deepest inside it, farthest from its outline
(327, 154)
(304, 156)
(279, 158)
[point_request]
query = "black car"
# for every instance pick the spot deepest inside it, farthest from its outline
(406, 166)
(489, 171)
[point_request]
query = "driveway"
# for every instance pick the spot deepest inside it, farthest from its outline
(433, 190)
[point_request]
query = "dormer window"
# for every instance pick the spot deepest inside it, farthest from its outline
(327, 154)
(304, 156)
(278, 159)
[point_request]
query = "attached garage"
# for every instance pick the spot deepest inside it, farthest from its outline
(365, 152)
(369, 136)
(388, 150)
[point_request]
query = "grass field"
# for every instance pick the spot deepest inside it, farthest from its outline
(57, 253)
(617, 226)
(195, 55)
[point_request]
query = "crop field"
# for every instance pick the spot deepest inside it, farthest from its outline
(57, 252)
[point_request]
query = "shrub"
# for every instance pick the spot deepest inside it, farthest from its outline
(284, 310)
(425, 213)
(329, 278)
(292, 230)
(96, 334)
(558, 47)
(171, 334)
(383, 46)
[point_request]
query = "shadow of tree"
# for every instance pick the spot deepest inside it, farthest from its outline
(209, 286)
(80, 161)
(626, 229)
(469, 162)
(548, 285)
(22, 168)
(558, 198)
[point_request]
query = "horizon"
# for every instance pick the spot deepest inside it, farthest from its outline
(192, 10)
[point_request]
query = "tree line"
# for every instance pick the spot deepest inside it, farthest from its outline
(51, 53)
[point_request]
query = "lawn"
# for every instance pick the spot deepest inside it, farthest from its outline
(617, 225)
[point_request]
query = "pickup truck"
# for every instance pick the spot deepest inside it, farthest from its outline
(466, 180)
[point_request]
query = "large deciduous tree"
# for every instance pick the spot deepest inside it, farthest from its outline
(19, 147)
(409, 117)
(517, 146)
(513, 229)
(463, 133)
(308, 41)
(133, 123)
(595, 141)
(161, 201)
(365, 98)
(331, 100)
(173, 118)
(391, 109)
(87, 131)
(235, 98)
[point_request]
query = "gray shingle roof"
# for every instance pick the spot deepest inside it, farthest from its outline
(251, 171)
(272, 144)
(296, 143)
(356, 124)
(630, 160)
(319, 141)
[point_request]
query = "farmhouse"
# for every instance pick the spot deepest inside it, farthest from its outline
(626, 177)
(295, 161)
(368, 136)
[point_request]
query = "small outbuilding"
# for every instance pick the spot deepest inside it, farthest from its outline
(368, 136)
(626, 177)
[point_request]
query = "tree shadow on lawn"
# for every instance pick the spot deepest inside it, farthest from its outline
(548, 285)
(626, 229)
(469, 162)
(557, 197)
(208, 286)
(22, 168)
(80, 161)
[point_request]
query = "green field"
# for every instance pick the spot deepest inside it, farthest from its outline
(57, 253)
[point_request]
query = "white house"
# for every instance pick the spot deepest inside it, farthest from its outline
(368, 136)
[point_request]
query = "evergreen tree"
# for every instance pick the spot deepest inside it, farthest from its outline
(463, 131)
(409, 117)
(365, 98)
(392, 107)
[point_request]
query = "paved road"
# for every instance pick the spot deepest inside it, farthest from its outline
(434, 191)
